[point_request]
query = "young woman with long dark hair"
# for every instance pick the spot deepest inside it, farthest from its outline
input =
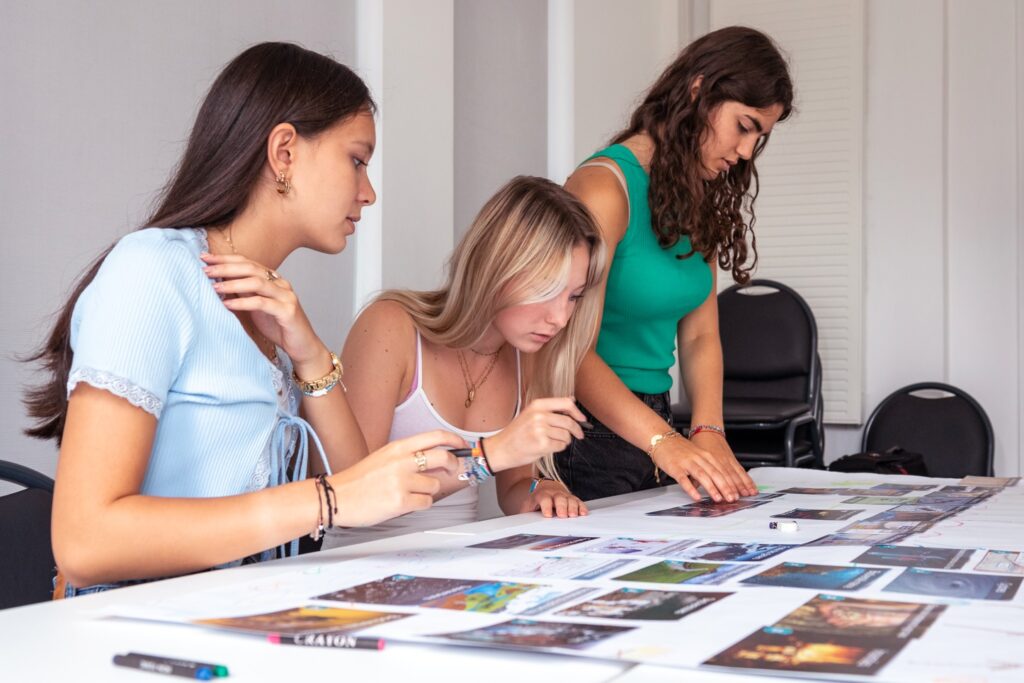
(670, 196)
(176, 364)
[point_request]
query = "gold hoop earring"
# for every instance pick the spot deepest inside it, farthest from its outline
(284, 186)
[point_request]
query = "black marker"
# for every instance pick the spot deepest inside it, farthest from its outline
(219, 670)
(329, 639)
(162, 667)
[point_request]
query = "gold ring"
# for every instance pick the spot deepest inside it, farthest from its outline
(271, 275)
(420, 458)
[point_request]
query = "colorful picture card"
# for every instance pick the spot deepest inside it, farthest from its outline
(420, 591)
(692, 573)
(914, 556)
(853, 616)
(1002, 562)
(735, 552)
(804, 513)
(955, 584)
(628, 545)
(301, 620)
(640, 603)
(817, 576)
(527, 633)
(780, 649)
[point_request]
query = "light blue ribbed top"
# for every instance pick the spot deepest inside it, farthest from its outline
(151, 329)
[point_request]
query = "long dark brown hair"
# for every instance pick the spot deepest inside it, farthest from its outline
(733, 64)
(268, 84)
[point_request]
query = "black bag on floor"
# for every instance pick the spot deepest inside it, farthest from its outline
(893, 461)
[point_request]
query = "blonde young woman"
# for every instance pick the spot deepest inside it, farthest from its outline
(491, 356)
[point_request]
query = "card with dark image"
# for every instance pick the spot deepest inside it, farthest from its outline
(735, 552)
(781, 649)
(845, 615)
(556, 542)
(880, 500)
(640, 603)
(514, 541)
(817, 576)
(903, 487)
(803, 513)
(400, 589)
(707, 509)
(527, 633)
(955, 584)
(913, 556)
(696, 573)
(895, 515)
(860, 537)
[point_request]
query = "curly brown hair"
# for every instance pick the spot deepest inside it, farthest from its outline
(731, 64)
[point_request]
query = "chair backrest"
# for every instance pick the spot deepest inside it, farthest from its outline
(769, 342)
(26, 556)
(939, 421)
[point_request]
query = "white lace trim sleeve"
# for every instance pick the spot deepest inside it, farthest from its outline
(119, 386)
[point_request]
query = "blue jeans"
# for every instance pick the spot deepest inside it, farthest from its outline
(604, 464)
(70, 591)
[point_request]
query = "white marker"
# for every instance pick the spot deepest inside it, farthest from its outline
(788, 526)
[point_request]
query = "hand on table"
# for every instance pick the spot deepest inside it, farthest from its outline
(707, 461)
(554, 500)
(718, 447)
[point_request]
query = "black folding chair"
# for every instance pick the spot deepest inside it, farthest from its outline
(26, 559)
(772, 403)
(941, 422)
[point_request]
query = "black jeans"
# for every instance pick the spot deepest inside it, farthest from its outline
(604, 464)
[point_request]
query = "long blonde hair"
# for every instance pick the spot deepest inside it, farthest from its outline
(517, 251)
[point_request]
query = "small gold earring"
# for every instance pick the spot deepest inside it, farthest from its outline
(284, 186)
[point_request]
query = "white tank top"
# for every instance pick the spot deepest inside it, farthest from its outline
(416, 415)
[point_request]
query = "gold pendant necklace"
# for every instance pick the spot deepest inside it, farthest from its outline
(266, 347)
(472, 386)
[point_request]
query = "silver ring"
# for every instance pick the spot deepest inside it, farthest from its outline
(420, 458)
(271, 275)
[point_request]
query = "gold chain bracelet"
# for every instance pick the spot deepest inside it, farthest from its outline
(655, 442)
(319, 387)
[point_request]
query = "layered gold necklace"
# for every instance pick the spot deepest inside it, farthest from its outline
(471, 385)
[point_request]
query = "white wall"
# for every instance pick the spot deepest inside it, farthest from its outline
(98, 99)
(942, 208)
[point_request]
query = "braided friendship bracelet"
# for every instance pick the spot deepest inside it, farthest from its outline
(475, 469)
(328, 501)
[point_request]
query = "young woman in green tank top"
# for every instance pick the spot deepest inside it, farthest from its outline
(670, 197)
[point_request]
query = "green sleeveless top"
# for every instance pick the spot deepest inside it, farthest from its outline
(649, 290)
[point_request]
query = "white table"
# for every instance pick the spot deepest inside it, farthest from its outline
(65, 640)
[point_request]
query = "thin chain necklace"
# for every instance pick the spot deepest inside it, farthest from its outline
(266, 347)
(472, 386)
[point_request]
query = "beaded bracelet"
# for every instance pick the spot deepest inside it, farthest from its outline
(476, 469)
(536, 482)
(697, 429)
